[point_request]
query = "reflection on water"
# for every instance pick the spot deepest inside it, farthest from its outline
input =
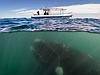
(17, 57)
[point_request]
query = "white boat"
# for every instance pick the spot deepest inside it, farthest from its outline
(51, 13)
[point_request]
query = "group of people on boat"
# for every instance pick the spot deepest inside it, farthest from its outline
(46, 12)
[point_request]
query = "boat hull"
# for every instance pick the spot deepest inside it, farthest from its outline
(51, 16)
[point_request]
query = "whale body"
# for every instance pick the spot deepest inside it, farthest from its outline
(51, 55)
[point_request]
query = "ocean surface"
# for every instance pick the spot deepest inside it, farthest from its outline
(18, 34)
(51, 24)
(16, 57)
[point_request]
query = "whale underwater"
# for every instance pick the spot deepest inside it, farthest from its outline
(59, 59)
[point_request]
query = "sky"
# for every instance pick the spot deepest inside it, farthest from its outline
(8, 8)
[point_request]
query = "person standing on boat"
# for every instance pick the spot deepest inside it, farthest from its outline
(38, 13)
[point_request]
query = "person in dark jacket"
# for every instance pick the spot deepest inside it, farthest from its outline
(38, 13)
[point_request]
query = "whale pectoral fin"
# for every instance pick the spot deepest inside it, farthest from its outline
(59, 70)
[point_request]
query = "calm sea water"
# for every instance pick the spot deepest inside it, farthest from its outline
(16, 57)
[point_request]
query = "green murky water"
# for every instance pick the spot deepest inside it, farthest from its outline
(16, 57)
